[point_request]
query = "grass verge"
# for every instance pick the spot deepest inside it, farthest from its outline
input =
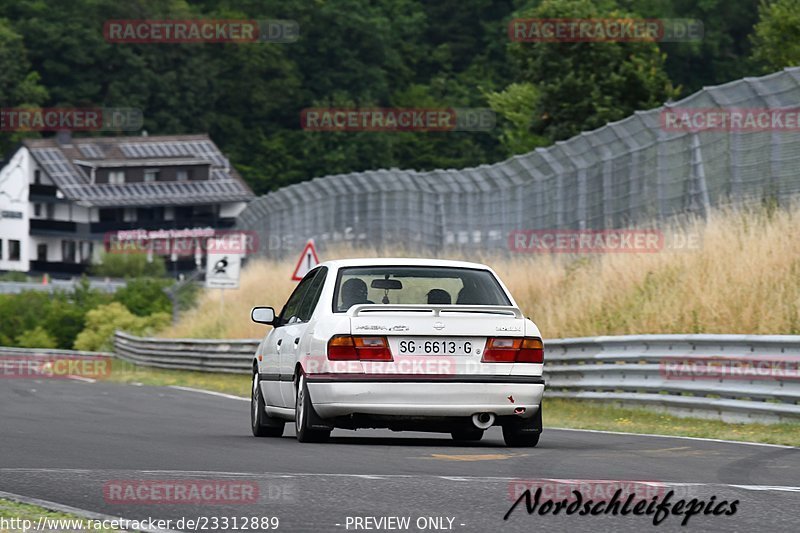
(577, 414)
(27, 517)
(125, 372)
(582, 414)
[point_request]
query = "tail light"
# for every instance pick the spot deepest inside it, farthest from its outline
(513, 350)
(350, 348)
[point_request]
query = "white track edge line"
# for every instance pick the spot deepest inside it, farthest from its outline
(676, 437)
(778, 488)
(210, 392)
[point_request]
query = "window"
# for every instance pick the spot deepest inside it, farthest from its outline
(183, 212)
(111, 215)
(13, 250)
(312, 296)
(41, 252)
(37, 177)
(68, 251)
(416, 286)
(37, 210)
(291, 310)
(204, 211)
(150, 176)
(51, 211)
(116, 177)
(182, 175)
(1, 249)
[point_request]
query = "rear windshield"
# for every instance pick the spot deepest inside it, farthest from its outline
(415, 286)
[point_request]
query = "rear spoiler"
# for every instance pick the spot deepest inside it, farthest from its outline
(435, 310)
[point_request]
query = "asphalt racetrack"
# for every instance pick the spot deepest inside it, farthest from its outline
(75, 442)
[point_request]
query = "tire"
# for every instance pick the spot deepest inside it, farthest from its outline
(524, 433)
(467, 435)
(303, 410)
(261, 424)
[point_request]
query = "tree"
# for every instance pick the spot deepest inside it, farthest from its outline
(517, 105)
(129, 265)
(776, 40)
(720, 56)
(585, 85)
(19, 85)
(144, 296)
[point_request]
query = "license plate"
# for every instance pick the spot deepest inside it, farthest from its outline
(463, 346)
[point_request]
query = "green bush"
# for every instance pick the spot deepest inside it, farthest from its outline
(129, 265)
(144, 296)
(104, 320)
(60, 314)
(36, 338)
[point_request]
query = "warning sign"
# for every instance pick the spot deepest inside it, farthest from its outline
(308, 260)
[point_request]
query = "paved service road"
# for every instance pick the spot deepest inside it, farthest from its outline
(68, 441)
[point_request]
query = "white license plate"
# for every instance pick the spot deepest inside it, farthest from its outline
(464, 346)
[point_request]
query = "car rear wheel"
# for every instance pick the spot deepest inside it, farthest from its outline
(467, 434)
(523, 433)
(303, 413)
(261, 424)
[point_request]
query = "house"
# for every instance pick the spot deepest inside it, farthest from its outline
(62, 197)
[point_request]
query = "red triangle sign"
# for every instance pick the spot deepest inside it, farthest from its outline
(308, 260)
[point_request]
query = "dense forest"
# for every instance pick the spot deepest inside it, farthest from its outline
(377, 53)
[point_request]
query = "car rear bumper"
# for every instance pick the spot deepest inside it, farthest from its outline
(339, 395)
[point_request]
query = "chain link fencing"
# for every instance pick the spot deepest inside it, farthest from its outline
(631, 173)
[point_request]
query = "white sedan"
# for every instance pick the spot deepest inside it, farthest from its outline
(404, 344)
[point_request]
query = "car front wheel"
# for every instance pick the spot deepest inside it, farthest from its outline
(261, 424)
(303, 412)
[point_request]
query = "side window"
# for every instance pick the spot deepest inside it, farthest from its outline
(293, 303)
(312, 296)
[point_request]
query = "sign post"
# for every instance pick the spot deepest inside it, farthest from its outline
(308, 260)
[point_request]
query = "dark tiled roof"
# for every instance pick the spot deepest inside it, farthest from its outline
(58, 161)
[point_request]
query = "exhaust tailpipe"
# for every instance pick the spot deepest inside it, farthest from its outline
(483, 420)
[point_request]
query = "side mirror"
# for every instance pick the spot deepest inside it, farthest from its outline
(263, 315)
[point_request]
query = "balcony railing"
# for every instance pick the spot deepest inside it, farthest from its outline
(53, 225)
(42, 190)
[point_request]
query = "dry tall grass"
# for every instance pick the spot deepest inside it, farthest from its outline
(744, 278)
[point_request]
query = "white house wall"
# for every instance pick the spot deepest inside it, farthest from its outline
(14, 199)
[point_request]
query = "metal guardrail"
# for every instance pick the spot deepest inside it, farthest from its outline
(16, 287)
(733, 377)
(759, 379)
(209, 355)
